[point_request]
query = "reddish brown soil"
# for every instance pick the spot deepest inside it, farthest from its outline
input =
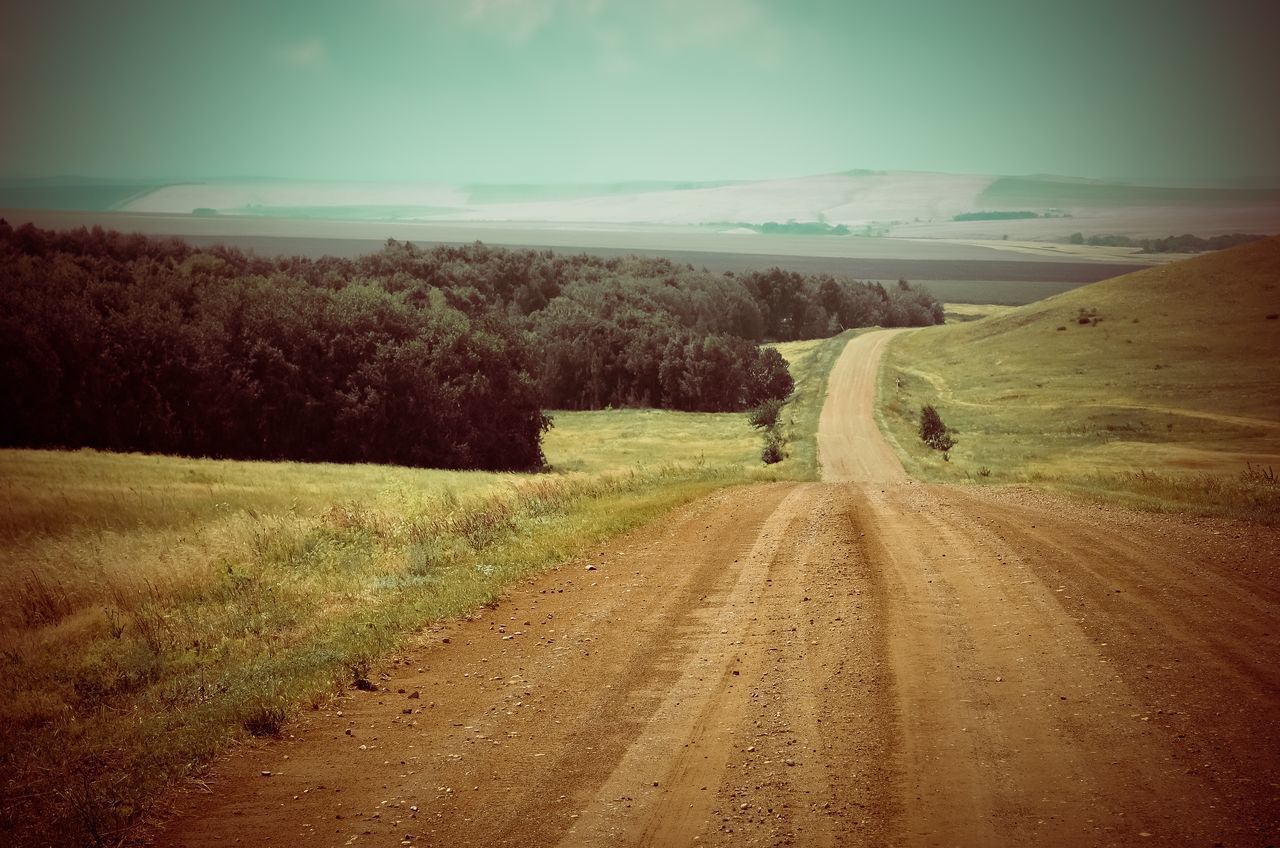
(864, 661)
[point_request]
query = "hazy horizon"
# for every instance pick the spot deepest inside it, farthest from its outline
(601, 91)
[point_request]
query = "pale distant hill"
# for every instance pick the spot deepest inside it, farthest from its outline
(907, 204)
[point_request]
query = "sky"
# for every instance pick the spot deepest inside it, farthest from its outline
(571, 91)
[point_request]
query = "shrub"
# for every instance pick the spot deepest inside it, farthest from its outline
(772, 448)
(933, 432)
(765, 416)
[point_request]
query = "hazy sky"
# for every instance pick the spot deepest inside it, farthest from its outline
(603, 90)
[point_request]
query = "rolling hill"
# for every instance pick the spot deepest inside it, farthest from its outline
(1166, 372)
(910, 204)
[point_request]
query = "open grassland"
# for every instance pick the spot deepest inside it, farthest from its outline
(624, 439)
(155, 609)
(959, 313)
(1156, 388)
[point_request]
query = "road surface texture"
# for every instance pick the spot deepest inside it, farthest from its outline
(863, 661)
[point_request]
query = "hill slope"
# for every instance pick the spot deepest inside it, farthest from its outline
(1168, 370)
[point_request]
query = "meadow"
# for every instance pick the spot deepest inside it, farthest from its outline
(155, 609)
(1157, 388)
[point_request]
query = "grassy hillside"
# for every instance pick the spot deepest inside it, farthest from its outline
(153, 609)
(1159, 386)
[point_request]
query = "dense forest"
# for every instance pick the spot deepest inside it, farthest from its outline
(442, 357)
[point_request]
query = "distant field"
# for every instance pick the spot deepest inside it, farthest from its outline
(1002, 292)
(69, 197)
(952, 271)
(1042, 192)
(1138, 385)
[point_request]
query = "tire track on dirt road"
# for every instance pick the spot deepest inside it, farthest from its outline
(863, 661)
(1025, 695)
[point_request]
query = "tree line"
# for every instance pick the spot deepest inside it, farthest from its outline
(442, 357)
(1185, 243)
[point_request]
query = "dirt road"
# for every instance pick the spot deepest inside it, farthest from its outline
(863, 661)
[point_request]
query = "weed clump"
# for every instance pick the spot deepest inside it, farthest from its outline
(265, 720)
(1256, 475)
(359, 669)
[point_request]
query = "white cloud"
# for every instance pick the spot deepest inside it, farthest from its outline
(304, 54)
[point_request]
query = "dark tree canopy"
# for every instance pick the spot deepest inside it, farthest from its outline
(431, 357)
(161, 350)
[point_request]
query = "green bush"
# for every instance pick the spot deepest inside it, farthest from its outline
(772, 448)
(765, 416)
(933, 432)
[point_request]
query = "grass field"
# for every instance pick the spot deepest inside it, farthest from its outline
(616, 440)
(1158, 387)
(154, 609)
(960, 313)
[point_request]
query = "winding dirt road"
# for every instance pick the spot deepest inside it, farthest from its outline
(863, 661)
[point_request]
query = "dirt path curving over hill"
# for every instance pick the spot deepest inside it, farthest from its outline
(873, 662)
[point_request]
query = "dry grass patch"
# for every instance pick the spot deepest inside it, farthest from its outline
(111, 686)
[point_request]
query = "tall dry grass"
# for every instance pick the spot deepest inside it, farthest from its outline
(113, 684)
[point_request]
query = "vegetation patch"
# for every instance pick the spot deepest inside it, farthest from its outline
(1185, 243)
(811, 362)
(934, 433)
(441, 358)
(129, 666)
(995, 216)
(1168, 402)
(153, 609)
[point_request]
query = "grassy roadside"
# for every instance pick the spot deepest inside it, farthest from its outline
(155, 609)
(810, 363)
(1156, 389)
(100, 713)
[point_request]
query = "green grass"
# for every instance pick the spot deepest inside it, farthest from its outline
(611, 440)
(1166, 399)
(810, 362)
(960, 313)
(154, 609)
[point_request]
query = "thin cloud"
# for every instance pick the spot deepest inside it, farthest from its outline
(707, 22)
(308, 54)
(622, 31)
(517, 20)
